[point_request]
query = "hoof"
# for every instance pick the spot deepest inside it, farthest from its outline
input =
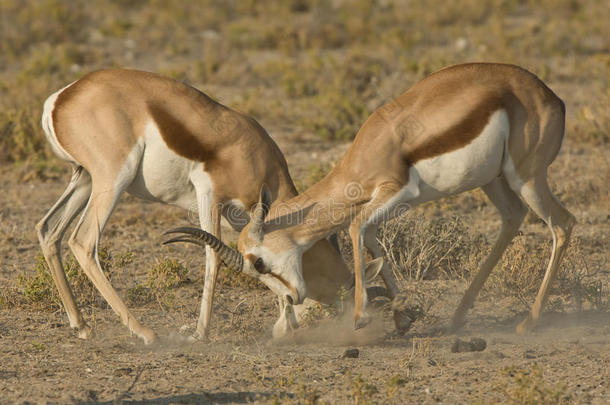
(148, 336)
(177, 339)
(201, 335)
(525, 326)
(362, 322)
(403, 321)
(455, 325)
(84, 331)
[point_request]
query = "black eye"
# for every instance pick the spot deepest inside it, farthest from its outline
(259, 265)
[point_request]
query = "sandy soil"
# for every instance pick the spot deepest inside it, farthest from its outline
(41, 361)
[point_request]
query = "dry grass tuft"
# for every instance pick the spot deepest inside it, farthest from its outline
(522, 269)
(39, 291)
(528, 386)
(163, 277)
(418, 248)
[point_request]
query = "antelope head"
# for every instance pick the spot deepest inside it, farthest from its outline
(276, 263)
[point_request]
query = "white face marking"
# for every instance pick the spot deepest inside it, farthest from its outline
(49, 129)
(286, 264)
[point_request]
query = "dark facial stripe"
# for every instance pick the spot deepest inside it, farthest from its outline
(286, 283)
(252, 258)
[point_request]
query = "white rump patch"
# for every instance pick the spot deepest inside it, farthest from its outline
(49, 129)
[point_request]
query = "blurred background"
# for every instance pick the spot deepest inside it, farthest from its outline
(301, 67)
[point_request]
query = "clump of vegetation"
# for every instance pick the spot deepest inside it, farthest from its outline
(361, 391)
(230, 278)
(163, 278)
(418, 248)
(393, 385)
(315, 313)
(39, 291)
(522, 270)
(528, 386)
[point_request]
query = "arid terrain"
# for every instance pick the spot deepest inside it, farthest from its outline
(310, 72)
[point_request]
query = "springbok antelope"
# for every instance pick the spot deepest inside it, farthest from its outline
(493, 126)
(161, 140)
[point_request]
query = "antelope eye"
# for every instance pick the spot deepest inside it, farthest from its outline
(259, 265)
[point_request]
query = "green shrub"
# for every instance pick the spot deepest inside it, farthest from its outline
(163, 278)
(38, 290)
(528, 386)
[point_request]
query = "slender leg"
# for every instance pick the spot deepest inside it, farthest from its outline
(51, 230)
(84, 244)
(210, 222)
(512, 211)
(361, 318)
(539, 197)
(287, 321)
(401, 318)
(374, 211)
(370, 241)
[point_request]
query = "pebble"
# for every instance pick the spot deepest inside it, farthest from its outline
(475, 345)
(350, 354)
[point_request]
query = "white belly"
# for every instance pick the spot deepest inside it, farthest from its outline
(474, 165)
(164, 175)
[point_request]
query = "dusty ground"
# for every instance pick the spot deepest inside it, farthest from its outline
(310, 72)
(41, 360)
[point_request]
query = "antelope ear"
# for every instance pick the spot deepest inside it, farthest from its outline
(264, 200)
(373, 268)
(259, 213)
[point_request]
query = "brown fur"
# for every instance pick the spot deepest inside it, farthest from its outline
(440, 114)
(98, 121)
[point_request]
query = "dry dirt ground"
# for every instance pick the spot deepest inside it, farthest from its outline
(567, 358)
(310, 72)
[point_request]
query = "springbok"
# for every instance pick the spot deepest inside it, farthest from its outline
(493, 126)
(161, 140)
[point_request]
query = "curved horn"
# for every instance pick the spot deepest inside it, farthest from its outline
(230, 257)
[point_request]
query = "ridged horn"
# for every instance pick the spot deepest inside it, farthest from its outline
(230, 257)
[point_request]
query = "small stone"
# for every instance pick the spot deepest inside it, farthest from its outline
(119, 372)
(475, 345)
(478, 344)
(460, 346)
(498, 354)
(350, 354)
(530, 354)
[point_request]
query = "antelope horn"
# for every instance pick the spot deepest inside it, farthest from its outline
(230, 257)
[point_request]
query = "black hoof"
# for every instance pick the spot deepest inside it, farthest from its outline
(402, 320)
(362, 322)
